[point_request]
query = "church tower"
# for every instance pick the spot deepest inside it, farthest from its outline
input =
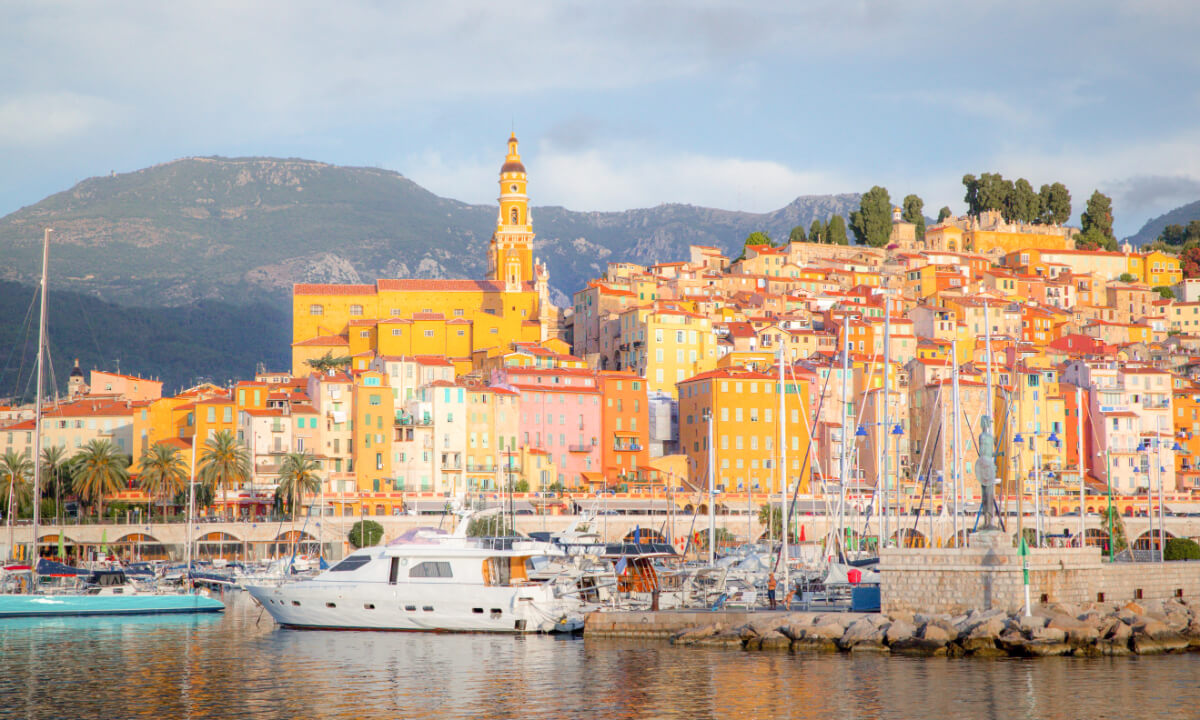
(510, 259)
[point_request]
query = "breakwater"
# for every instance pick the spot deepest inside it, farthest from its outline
(1088, 630)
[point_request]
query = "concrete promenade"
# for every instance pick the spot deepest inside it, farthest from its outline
(330, 531)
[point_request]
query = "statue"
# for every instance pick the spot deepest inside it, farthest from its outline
(985, 472)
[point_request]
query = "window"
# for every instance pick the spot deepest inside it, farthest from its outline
(316, 309)
(353, 562)
(396, 332)
(430, 569)
(428, 333)
(356, 310)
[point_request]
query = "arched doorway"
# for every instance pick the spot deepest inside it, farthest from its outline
(221, 545)
(140, 546)
(304, 544)
(910, 538)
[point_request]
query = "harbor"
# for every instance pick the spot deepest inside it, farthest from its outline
(235, 664)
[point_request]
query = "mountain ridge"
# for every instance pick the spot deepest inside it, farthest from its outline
(244, 229)
(1153, 227)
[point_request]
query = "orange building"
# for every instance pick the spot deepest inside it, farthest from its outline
(625, 424)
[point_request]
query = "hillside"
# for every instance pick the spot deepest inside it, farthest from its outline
(244, 229)
(1153, 228)
(209, 339)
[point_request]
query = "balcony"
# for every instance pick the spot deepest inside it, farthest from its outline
(451, 466)
(277, 427)
(627, 447)
(580, 448)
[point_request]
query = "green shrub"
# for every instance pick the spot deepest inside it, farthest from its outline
(365, 533)
(1181, 549)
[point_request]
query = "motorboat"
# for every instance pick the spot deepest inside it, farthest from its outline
(433, 581)
(102, 592)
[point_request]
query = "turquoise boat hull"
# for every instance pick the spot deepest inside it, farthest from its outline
(67, 605)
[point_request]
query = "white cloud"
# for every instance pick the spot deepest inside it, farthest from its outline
(627, 175)
(43, 118)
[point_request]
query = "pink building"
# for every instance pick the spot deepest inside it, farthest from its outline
(561, 415)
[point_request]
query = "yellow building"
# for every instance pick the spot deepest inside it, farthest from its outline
(450, 318)
(988, 234)
(665, 345)
(744, 407)
(374, 419)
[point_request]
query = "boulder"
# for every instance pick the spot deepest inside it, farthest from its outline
(829, 629)
(864, 634)
(1144, 644)
(774, 640)
(981, 639)
(724, 638)
(814, 644)
(899, 631)
(937, 633)
(691, 636)
(1192, 633)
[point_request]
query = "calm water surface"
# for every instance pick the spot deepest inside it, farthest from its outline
(241, 665)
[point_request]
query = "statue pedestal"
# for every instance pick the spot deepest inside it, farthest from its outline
(989, 539)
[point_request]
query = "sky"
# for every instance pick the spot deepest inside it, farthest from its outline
(740, 105)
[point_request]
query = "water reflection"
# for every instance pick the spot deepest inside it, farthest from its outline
(240, 665)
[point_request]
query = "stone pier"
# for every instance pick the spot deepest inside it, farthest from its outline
(990, 576)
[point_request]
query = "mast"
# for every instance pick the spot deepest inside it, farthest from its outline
(956, 458)
(783, 470)
(987, 338)
(712, 471)
(842, 461)
(887, 384)
(1079, 440)
(37, 407)
(191, 509)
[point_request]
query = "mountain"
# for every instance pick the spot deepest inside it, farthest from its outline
(1153, 228)
(209, 339)
(245, 229)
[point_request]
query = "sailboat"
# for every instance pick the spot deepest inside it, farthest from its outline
(107, 593)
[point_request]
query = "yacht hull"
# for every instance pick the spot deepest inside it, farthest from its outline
(75, 605)
(417, 607)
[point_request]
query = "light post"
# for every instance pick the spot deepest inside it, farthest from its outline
(1157, 444)
(882, 484)
(712, 464)
(1052, 438)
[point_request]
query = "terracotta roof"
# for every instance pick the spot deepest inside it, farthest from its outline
(441, 285)
(331, 289)
(324, 341)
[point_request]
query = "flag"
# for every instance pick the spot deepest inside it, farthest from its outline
(637, 535)
(621, 566)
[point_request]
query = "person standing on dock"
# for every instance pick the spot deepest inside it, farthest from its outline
(771, 590)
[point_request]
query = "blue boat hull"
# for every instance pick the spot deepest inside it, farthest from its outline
(12, 606)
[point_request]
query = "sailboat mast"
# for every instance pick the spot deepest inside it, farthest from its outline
(886, 427)
(37, 406)
(783, 469)
(956, 457)
(844, 423)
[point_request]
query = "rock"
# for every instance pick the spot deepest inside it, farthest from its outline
(795, 632)
(1134, 608)
(774, 640)
(899, 631)
(693, 635)
(1029, 623)
(1192, 633)
(1143, 643)
(936, 633)
(747, 633)
(1115, 630)
(827, 629)
(982, 638)
(1048, 635)
(1016, 643)
(864, 634)
(814, 644)
(724, 638)
(902, 615)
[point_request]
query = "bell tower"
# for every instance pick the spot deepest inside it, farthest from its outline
(510, 259)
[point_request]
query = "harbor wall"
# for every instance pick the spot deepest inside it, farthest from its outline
(959, 580)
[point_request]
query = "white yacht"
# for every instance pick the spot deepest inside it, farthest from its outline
(433, 581)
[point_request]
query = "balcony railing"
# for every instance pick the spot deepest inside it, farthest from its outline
(580, 448)
(627, 447)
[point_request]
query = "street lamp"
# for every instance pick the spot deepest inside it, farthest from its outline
(1018, 439)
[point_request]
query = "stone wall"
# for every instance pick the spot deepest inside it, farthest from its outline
(959, 580)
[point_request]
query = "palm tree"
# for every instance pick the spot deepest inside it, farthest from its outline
(164, 473)
(225, 461)
(298, 476)
(54, 463)
(99, 470)
(15, 471)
